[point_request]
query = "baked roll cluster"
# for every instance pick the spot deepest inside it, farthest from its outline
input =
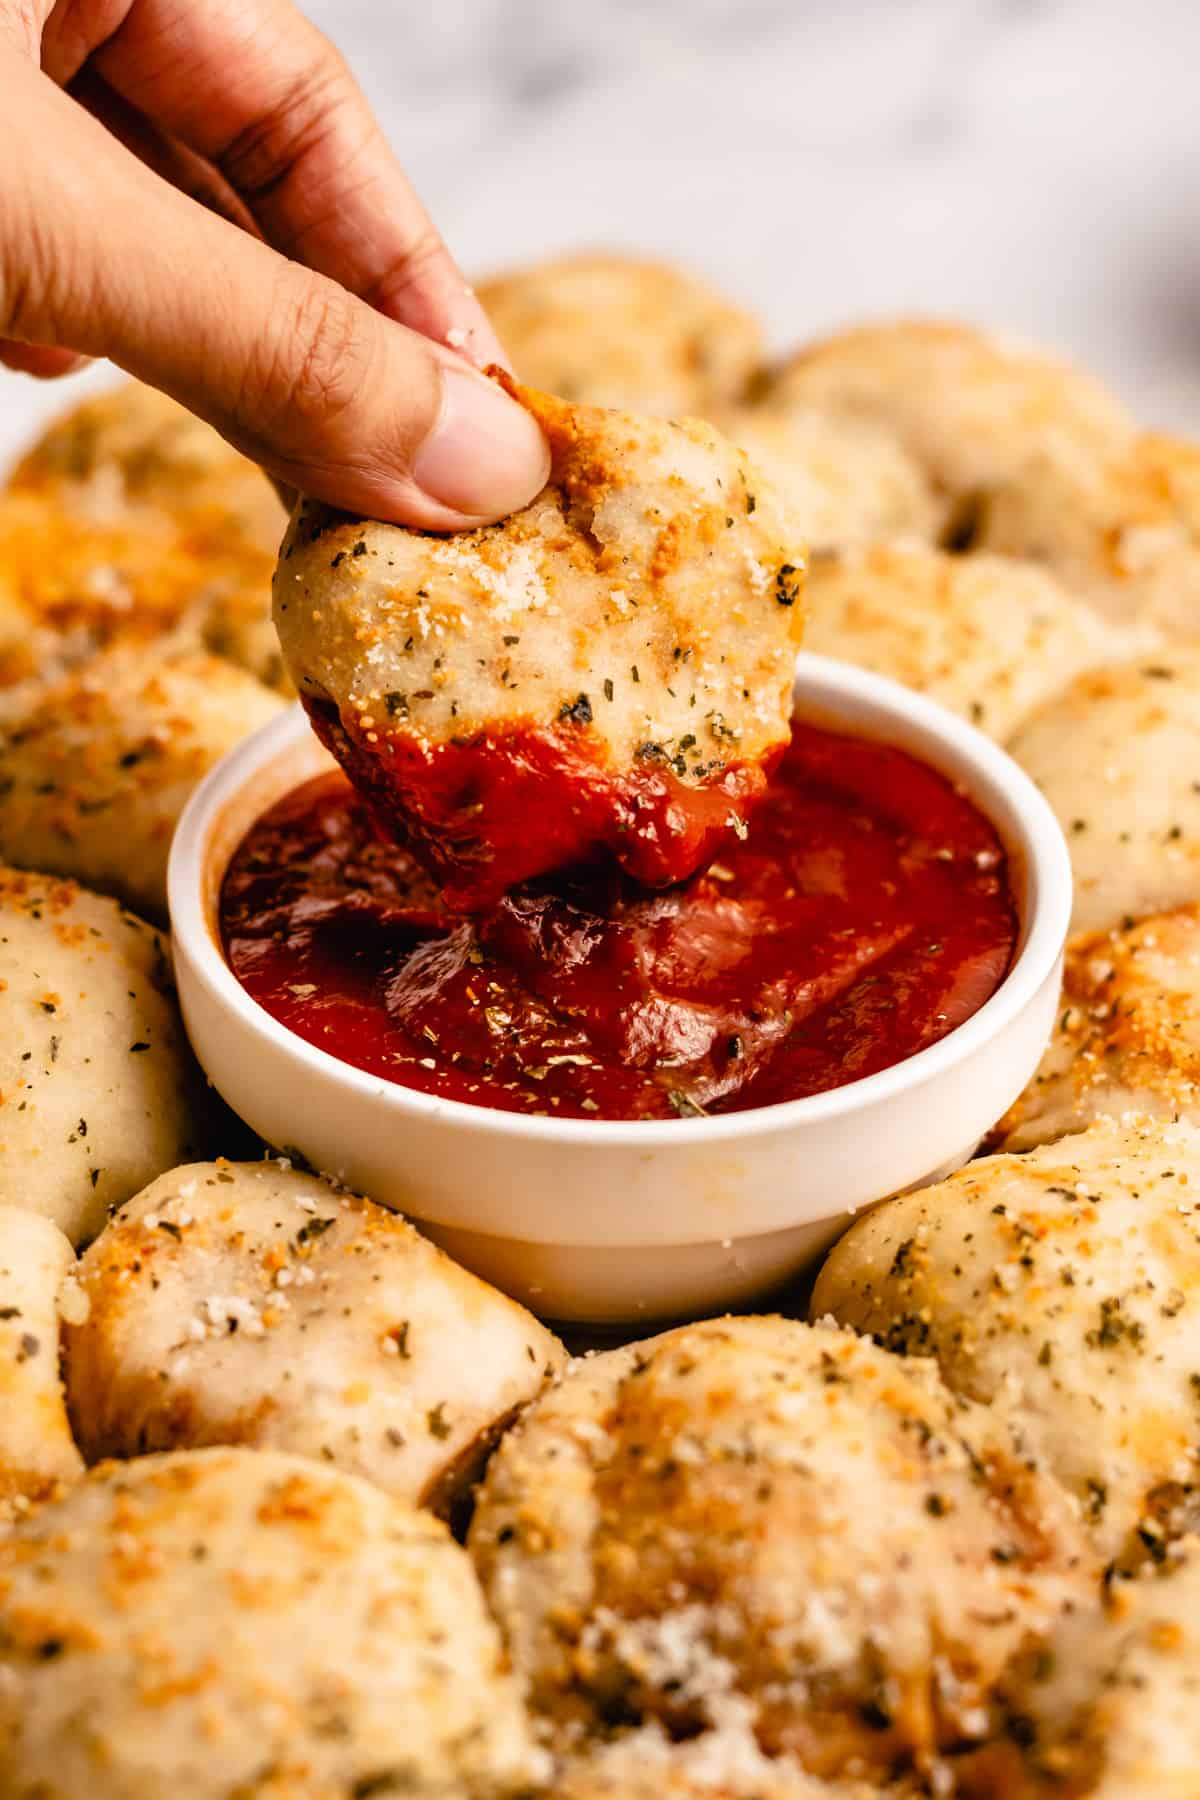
(294, 1508)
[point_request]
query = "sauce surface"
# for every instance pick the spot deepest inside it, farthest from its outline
(866, 912)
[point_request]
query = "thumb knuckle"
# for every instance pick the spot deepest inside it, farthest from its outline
(314, 369)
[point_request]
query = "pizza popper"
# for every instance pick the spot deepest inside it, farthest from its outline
(96, 767)
(606, 674)
(131, 521)
(1122, 529)
(233, 1622)
(1114, 753)
(1127, 1038)
(1108, 1710)
(975, 410)
(781, 1517)
(991, 637)
(249, 1303)
(37, 1451)
(100, 1090)
(616, 331)
(848, 480)
(1062, 1288)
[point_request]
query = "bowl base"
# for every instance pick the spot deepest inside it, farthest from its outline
(636, 1284)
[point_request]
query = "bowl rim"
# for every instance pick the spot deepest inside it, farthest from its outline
(1039, 838)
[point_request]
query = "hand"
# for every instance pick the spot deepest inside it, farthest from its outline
(198, 190)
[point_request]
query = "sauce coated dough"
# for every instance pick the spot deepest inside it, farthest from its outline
(775, 1516)
(990, 637)
(1127, 1039)
(230, 1623)
(613, 331)
(245, 1303)
(608, 671)
(1115, 755)
(100, 1092)
(37, 1451)
(95, 768)
(1063, 1288)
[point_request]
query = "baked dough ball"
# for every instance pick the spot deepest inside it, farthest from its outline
(720, 1765)
(1128, 1034)
(990, 637)
(237, 626)
(37, 1451)
(98, 1089)
(613, 331)
(70, 586)
(971, 408)
(773, 1514)
(95, 768)
(247, 1303)
(847, 480)
(1113, 1710)
(1115, 755)
(1123, 530)
(133, 451)
(1063, 1287)
(228, 1622)
(609, 670)
(132, 520)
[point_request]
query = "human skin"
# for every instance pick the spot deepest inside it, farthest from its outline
(198, 190)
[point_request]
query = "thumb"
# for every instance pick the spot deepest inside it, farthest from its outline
(99, 255)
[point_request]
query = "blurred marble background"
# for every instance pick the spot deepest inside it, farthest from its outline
(1030, 164)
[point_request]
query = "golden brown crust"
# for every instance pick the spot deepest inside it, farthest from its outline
(98, 1088)
(777, 1514)
(1113, 754)
(227, 1622)
(1122, 530)
(1107, 1710)
(68, 587)
(132, 453)
(847, 480)
(725, 1764)
(1127, 1039)
(1062, 1287)
(248, 1303)
(37, 1452)
(616, 331)
(133, 521)
(973, 409)
(96, 767)
(988, 636)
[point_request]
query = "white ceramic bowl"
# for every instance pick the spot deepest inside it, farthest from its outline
(619, 1221)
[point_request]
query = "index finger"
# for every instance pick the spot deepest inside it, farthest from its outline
(259, 92)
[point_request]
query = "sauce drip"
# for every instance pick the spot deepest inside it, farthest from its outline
(865, 913)
(508, 806)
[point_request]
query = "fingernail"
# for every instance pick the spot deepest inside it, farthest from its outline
(486, 455)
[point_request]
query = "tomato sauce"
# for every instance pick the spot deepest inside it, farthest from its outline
(506, 806)
(865, 912)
